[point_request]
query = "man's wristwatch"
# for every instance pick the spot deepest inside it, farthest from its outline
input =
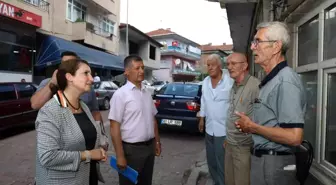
(87, 156)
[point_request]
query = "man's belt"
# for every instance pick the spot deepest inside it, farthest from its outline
(140, 143)
(261, 152)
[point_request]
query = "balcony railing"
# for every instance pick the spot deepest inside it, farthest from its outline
(41, 4)
(185, 72)
(98, 30)
(176, 49)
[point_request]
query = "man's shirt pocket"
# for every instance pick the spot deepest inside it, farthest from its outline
(223, 95)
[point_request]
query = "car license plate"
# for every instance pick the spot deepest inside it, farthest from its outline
(171, 122)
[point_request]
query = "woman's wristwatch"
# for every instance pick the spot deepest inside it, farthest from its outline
(87, 156)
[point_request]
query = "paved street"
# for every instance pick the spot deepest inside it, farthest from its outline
(17, 157)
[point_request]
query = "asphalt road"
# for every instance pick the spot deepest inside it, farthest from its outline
(17, 157)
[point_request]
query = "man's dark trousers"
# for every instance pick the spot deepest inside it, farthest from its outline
(141, 158)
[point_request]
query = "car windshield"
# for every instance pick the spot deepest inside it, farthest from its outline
(96, 85)
(158, 83)
(180, 89)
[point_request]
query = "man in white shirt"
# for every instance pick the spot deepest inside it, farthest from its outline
(214, 109)
(134, 129)
(96, 78)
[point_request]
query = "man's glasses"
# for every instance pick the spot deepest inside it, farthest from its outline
(255, 42)
(233, 63)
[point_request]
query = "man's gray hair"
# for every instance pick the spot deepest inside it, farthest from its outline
(215, 57)
(277, 31)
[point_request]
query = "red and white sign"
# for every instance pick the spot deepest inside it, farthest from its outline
(20, 14)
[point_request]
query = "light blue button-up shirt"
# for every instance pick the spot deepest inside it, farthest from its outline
(215, 103)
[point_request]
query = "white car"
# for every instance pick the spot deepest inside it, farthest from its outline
(158, 85)
(147, 85)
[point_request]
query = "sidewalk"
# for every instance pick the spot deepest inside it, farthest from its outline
(198, 174)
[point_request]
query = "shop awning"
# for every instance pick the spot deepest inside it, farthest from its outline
(52, 48)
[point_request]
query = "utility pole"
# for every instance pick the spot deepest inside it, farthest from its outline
(127, 42)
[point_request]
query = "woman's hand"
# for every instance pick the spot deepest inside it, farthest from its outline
(98, 154)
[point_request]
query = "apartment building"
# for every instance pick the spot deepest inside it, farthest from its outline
(143, 45)
(179, 56)
(48, 27)
(311, 54)
(222, 50)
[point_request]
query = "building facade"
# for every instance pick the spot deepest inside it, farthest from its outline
(90, 23)
(17, 41)
(142, 45)
(222, 50)
(312, 25)
(179, 57)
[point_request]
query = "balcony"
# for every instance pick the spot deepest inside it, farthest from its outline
(185, 72)
(94, 35)
(41, 4)
(182, 67)
(108, 5)
(177, 51)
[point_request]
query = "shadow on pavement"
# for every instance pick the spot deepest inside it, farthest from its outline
(9, 132)
(179, 134)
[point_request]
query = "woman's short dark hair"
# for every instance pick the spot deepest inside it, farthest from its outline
(70, 66)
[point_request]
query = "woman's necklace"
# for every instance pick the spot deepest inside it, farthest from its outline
(76, 109)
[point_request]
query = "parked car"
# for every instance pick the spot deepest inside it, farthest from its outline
(158, 85)
(104, 91)
(148, 86)
(178, 105)
(15, 107)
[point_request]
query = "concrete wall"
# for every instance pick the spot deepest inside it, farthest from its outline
(54, 21)
(143, 52)
(163, 75)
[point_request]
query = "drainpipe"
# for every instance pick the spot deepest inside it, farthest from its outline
(252, 31)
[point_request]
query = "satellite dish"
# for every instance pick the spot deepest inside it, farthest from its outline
(177, 61)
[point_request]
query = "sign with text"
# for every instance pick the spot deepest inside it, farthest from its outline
(20, 14)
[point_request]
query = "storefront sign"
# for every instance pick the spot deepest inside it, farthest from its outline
(20, 14)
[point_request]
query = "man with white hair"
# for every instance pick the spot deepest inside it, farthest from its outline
(279, 111)
(214, 107)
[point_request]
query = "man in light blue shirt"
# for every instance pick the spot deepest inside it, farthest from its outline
(215, 103)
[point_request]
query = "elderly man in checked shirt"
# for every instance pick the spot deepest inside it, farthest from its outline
(214, 108)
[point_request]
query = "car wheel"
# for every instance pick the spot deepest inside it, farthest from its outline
(106, 104)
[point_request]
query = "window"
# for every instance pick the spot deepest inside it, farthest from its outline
(106, 85)
(330, 144)
(7, 92)
(329, 42)
(15, 58)
(152, 52)
(114, 86)
(25, 90)
(309, 80)
(159, 83)
(108, 26)
(76, 11)
(308, 42)
(164, 43)
(96, 85)
(34, 2)
(180, 89)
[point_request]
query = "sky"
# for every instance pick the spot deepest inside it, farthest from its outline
(198, 20)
